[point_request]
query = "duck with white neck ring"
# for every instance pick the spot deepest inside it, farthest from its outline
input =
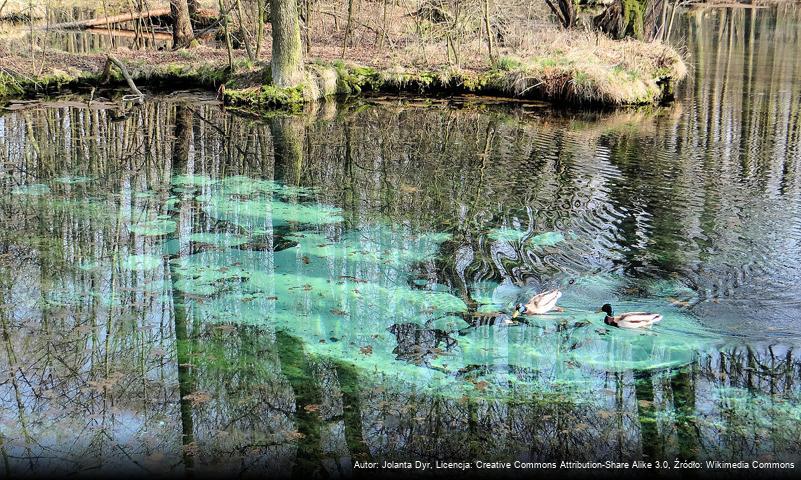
(629, 319)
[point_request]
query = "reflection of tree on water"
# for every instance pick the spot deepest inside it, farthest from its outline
(288, 133)
(247, 392)
(185, 344)
(682, 385)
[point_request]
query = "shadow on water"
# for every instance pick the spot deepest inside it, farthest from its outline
(185, 289)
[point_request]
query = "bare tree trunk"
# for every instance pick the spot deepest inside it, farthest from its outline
(182, 34)
(224, 14)
(243, 31)
(489, 29)
(610, 21)
(287, 61)
(631, 18)
(347, 28)
(383, 26)
(565, 13)
(259, 27)
(307, 24)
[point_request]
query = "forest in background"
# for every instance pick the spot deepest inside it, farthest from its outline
(608, 52)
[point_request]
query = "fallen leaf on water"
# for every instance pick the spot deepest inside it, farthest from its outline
(294, 436)
(198, 398)
(156, 457)
(677, 302)
(158, 352)
(191, 449)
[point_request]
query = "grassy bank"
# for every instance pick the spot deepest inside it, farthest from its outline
(610, 73)
(428, 48)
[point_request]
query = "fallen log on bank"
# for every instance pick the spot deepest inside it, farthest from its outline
(206, 14)
(164, 36)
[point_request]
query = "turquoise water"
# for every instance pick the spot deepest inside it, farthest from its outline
(192, 290)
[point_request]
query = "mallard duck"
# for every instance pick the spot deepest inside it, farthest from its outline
(538, 304)
(629, 319)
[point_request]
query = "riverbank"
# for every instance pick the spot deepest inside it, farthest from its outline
(585, 70)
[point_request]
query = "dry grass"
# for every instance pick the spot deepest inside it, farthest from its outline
(532, 57)
(594, 68)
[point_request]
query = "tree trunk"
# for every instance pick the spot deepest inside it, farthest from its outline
(610, 21)
(287, 61)
(488, 28)
(630, 18)
(564, 10)
(182, 34)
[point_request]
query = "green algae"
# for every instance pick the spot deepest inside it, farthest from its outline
(35, 189)
(547, 239)
(140, 263)
(248, 213)
(242, 185)
(341, 292)
(218, 239)
(153, 228)
(507, 234)
(72, 179)
(355, 286)
(192, 180)
(204, 279)
(449, 323)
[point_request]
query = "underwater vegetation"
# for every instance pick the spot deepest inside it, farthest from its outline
(270, 256)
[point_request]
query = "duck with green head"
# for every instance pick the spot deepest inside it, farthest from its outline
(629, 319)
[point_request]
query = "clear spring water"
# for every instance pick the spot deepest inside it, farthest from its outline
(183, 288)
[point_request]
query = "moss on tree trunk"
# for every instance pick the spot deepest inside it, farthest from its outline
(287, 61)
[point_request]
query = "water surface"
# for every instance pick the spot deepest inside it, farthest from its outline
(187, 289)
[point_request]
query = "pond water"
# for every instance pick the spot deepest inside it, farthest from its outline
(186, 289)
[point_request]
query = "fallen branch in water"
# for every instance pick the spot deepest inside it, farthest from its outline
(111, 59)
